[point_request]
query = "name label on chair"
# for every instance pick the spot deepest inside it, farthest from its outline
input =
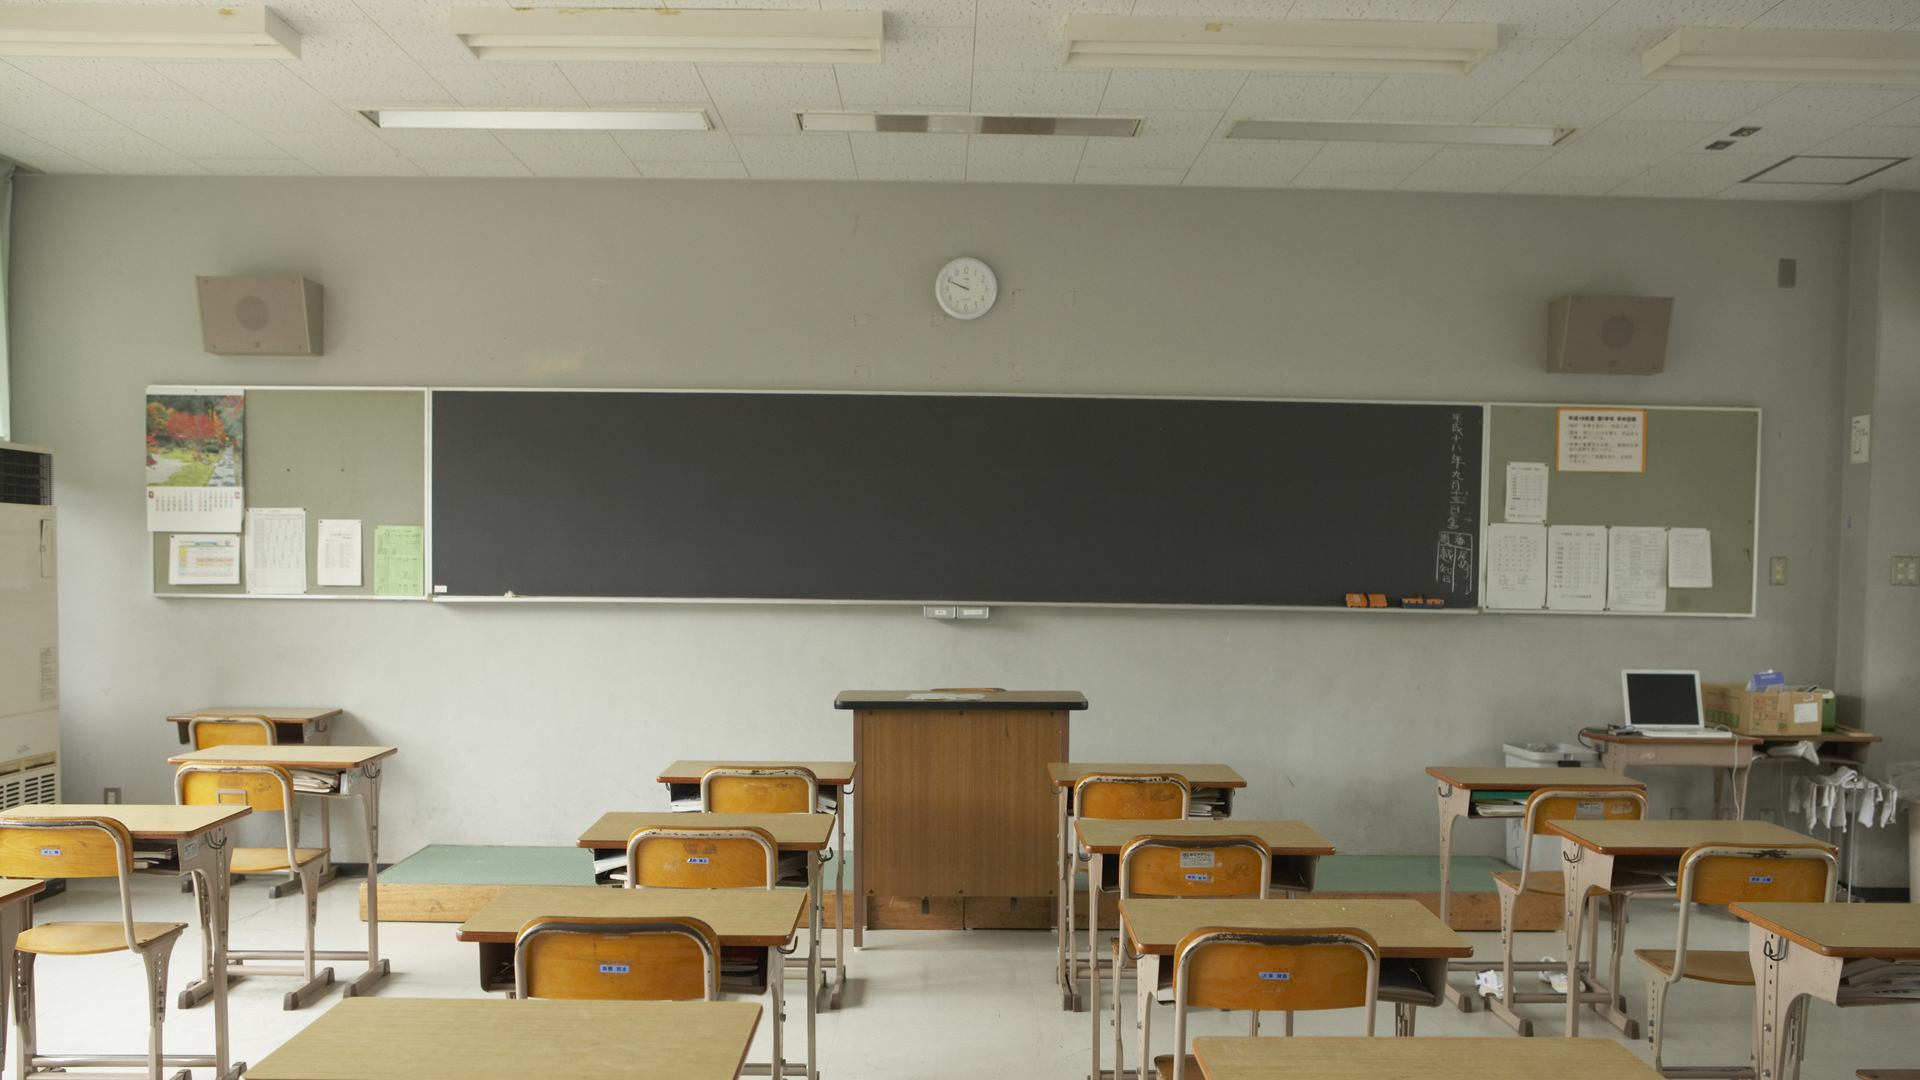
(613, 969)
(1198, 877)
(1589, 811)
(1761, 880)
(1190, 859)
(698, 860)
(50, 851)
(1276, 976)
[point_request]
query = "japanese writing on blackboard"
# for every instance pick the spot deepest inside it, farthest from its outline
(1453, 564)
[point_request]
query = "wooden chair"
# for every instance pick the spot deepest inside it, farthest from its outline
(1544, 806)
(210, 731)
(790, 789)
(1257, 970)
(1724, 874)
(665, 959)
(1176, 866)
(1125, 797)
(266, 789)
(81, 847)
(737, 857)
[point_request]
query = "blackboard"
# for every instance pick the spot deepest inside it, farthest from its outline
(902, 497)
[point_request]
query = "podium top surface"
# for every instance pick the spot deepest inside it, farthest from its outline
(961, 699)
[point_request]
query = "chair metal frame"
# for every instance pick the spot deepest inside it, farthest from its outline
(1206, 937)
(799, 772)
(1095, 962)
(29, 1062)
(758, 836)
(709, 952)
(1144, 994)
(307, 874)
(1591, 991)
(1658, 982)
(785, 771)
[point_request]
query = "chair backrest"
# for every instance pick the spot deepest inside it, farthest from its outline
(206, 731)
(1132, 797)
(1576, 804)
(737, 857)
(664, 959)
(1295, 971)
(1729, 874)
(790, 789)
(263, 788)
(1195, 866)
(72, 847)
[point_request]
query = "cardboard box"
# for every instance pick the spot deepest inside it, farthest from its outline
(1762, 712)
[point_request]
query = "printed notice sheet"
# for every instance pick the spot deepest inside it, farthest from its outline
(1577, 568)
(1602, 440)
(203, 559)
(194, 457)
(339, 552)
(1636, 569)
(399, 560)
(276, 550)
(1517, 566)
(1527, 492)
(1689, 559)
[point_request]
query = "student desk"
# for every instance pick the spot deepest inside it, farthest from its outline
(835, 779)
(1798, 950)
(1735, 755)
(1589, 849)
(1457, 787)
(311, 726)
(358, 770)
(481, 1039)
(1294, 846)
(201, 840)
(16, 914)
(753, 918)
(1218, 781)
(1403, 929)
(1449, 1058)
(791, 832)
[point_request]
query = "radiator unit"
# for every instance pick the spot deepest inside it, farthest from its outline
(30, 633)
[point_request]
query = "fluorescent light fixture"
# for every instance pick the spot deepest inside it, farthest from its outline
(541, 119)
(671, 34)
(1371, 48)
(156, 32)
(967, 124)
(1793, 56)
(1824, 170)
(1364, 131)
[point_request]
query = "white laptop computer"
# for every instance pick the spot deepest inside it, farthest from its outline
(1666, 705)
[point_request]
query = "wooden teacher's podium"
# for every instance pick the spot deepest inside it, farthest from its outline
(954, 819)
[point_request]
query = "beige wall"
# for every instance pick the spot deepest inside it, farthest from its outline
(520, 724)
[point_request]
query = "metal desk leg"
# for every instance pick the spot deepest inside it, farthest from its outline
(1063, 905)
(839, 901)
(1146, 987)
(1585, 870)
(1454, 804)
(1094, 873)
(14, 917)
(812, 1000)
(365, 781)
(1786, 975)
(776, 992)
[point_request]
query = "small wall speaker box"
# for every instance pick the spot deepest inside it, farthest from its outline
(260, 316)
(1608, 335)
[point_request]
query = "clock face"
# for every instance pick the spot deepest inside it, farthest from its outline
(965, 288)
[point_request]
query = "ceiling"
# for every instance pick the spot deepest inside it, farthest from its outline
(1564, 63)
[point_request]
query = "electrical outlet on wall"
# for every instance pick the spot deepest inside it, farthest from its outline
(1777, 570)
(110, 796)
(1906, 569)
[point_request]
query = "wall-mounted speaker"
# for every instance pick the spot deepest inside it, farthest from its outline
(260, 316)
(1608, 335)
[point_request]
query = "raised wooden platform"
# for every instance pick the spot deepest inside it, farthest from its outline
(450, 883)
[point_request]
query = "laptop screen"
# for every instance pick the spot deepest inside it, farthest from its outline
(1663, 698)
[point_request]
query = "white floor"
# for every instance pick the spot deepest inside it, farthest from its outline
(920, 1004)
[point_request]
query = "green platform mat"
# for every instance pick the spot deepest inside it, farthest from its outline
(1404, 873)
(456, 864)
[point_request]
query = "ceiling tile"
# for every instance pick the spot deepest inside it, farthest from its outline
(568, 153)
(1393, 10)
(1359, 157)
(912, 12)
(908, 170)
(1374, 181)
(264, 97)
(280, 166)
(27, 150)
(1095, 174)
(1777, 192)
(191, 128)
(1589, 164)
(690, 147)
(317, 10)
(1167, 140)
(1250, 164)
(1456, 95)
(508, 86)
(796, 157)
(1212, 9)
(357, 63)
(1907, 115)
(1658, 17)
(1879, 15)
(1023, 159)
(1301, 97)
(419, 144)
(1556, 19)
(331, 151)
(692, 170)
(1716, 101)
(1535, 184)
(1781, 139)
(124, 152)
(1130, 90)
(1865, 141)
(421, 30)
(1643, 140)
(1835, 106)
(930, 65)
(602, 84)
(1692, 176)
(31, 105)
(90, 79)
(759, 99)
(1611, 56)
(893, 148)
(1030, 35)
(1562, 104)
(1461, 168)
(1071, 93)
(507, 166)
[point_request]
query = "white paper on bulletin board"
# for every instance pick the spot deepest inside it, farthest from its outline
(1601, 440)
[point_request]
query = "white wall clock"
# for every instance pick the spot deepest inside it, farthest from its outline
(966, 288)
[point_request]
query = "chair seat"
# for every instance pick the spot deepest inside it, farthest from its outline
(1539, 882)
(1707, 965)
(1163, 1066)
(81, 938)
(260, 860)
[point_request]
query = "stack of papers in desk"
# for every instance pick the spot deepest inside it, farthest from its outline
(1499, 808)
(687, 804)
(146, 858)
(308, 780)
(1866, 981)
(1206, 803)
